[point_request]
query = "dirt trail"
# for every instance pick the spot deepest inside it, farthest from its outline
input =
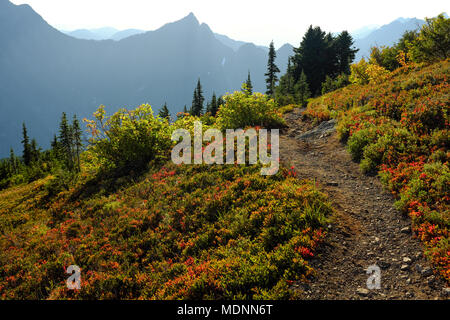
(366, 229)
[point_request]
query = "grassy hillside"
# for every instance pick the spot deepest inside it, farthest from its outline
(399, 128)
(165, 232)
(141, 227)
(177, 232)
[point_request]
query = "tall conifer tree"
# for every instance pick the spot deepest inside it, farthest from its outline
(198, 100)
(164, 112)
(77, 143)
(272, 70)
(27, 156)
(12, 161)
(214, 105)
(249, 85)
(65, 138)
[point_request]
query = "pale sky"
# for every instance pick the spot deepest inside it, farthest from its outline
(257, 21)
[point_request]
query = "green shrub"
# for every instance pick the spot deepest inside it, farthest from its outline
(427, 187)
(129, 139)
(61, 181)
(331, 84)
(285, 99)
(433, 40)
(359, 140)
(242, 110)
(287, 108)
(373, 155)
(394, 144)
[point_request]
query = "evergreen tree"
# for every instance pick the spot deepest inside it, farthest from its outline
(285, 89)
(433, 42)
(56, 152)
(54, 143)
(194, 101)
(289, 78)
(302, 90)
(272, 70)
(12, 162)
(310, 58)
(66, 141)
(344, 52)
(209, 106)
(198, 100)
(330, 64)
(328, 85)
(77, 144)
(214, 105)
(220, 102)
(249, 85)
(321, 55)
(164, 112)
(35, 151)
(27, 157)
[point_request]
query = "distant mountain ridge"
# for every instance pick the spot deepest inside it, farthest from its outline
(45, 72)
(385, 35)
(99, 34)
(365, 37)
(364, 31)
(102, 33)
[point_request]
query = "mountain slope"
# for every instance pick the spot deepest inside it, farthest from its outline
(45, 72)
(125, 34)
(386, 35)
(93, 34)
(283, 55)
(102, 33)
(364, 31)
(84, 34)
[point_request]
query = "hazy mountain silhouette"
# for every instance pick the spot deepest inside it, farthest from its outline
(84, 34)
(283, 55)
(102, 33)
(363, 32)
(386, 35)
(106, 34)
(45, 72)
(233, 44)
(125, 34)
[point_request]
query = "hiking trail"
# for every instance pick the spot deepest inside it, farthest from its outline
(365, 230)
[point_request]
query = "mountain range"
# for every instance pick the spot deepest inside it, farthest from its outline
(365, 37)
(106, 33)
(44, 72)
(385, 35)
